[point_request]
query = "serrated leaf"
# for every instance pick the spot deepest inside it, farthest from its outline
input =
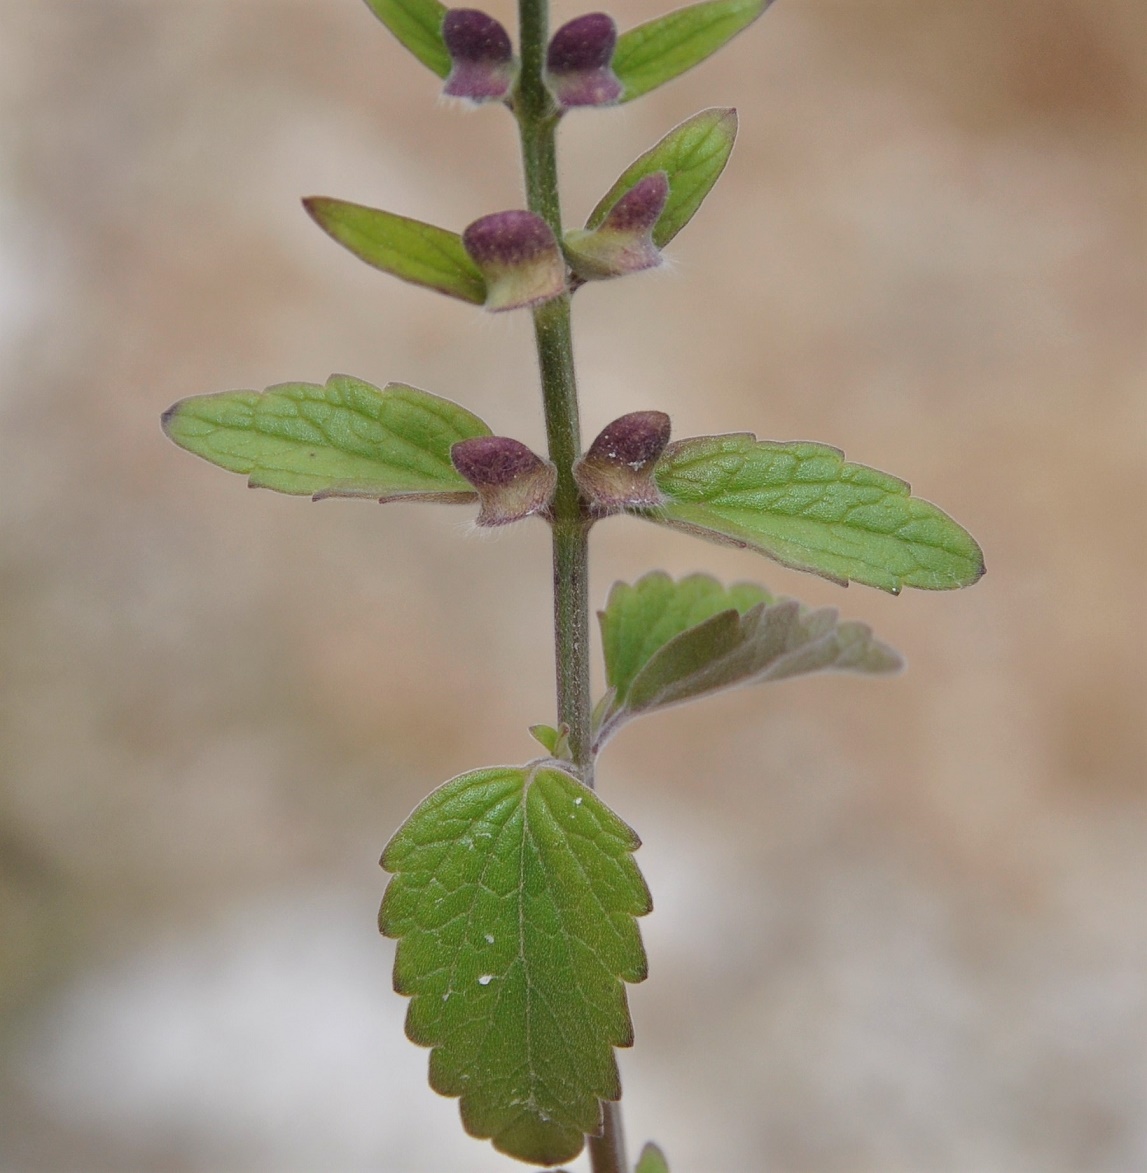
(665, 47)
(692, 155)
(342, 439)
(652, 1160)
(805, 506)
(514, 901)
(418, 26)
(666, 642)
(422, 254)
(640, 619)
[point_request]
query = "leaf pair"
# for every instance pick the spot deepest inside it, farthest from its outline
(687, 162)
(666, 642)
(644, 58)
(515, 895)
(514, 901)
(801, 504)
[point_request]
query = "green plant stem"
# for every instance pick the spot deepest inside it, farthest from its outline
(537, 123)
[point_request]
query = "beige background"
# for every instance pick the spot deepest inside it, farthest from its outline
(900, 925)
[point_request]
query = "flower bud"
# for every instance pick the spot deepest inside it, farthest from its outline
(578, 60)
(482, 59)
(519, 259)
(617, 471)
(623, 242)
(512, 482)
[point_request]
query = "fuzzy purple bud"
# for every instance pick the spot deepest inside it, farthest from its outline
(623, 242)
(638, 210)
(578, 62)
(481, 56)
(617, 471)
(519, 259)
(512, 481)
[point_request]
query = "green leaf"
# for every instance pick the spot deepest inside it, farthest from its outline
(344, 439)
(513, 902)
(692, 155)
(418, 25)
(408, 249)
(640, 619)
(805, 506)
(662, 49)
(666, 642)
(556, 742)
(652, 1160)
(546, 736)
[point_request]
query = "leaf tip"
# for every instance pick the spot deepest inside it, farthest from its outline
(167, 419)
(316, 207)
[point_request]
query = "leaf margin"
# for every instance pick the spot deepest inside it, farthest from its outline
(417, 26)
(431, 257)
(640, 42)
(189, 421)
(733, 450)
(400, 850)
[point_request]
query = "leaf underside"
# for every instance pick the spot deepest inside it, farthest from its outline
(664, 48)
(805, 506)
(417, 24)
(411, 250)
(666, 642)
(513, 903)
(692, 155)
(342, 439)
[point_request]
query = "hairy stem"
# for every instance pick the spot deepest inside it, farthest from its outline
(537, 122)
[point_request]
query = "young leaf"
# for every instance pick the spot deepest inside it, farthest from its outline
(513, 903)
(652, 1160)
(692, 155)
(418, 25)
(344, 439)
(805, 506)
(669, 642)
(408, 249)
(556, 742)
(662, 49)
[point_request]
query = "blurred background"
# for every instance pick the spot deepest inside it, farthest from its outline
(900, 924)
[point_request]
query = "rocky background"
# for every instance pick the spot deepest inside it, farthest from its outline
(900, 924)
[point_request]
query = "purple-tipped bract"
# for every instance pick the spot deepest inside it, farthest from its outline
(512, 481)
(578, 62)
(482, 58)
(623, 242)
(617, 471)
(519, 259)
